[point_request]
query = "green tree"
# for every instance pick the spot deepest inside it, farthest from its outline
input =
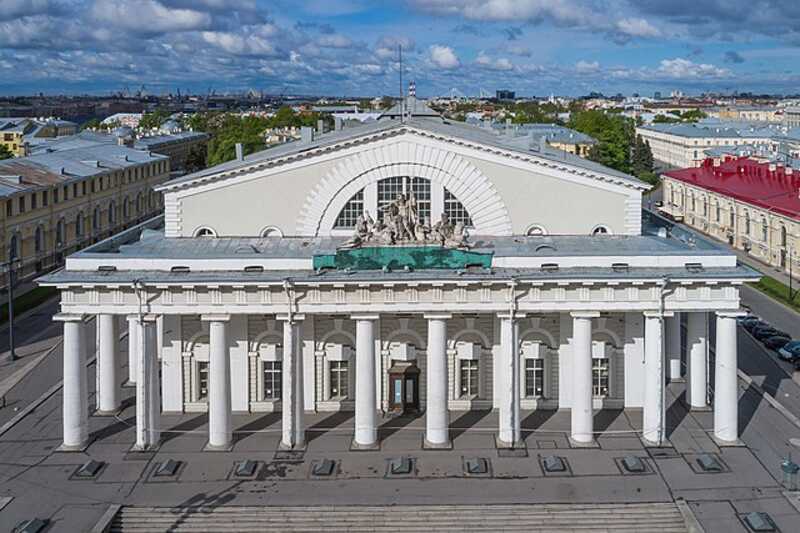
(154, 119)
(5, 153)
(614, 133)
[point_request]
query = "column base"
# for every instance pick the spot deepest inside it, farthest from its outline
(578, 444)
(699, 408)
(447, 445)
(510, 449)
(727, 443)
(115, 412)
(147, 449)
(677, 380)
(129, 384)
(78, 448)
(296, 448)
(224, 448)
(357, 447)
(652, 444)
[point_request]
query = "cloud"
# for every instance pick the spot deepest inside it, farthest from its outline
(12, 9)
(680, 68)
(335, 41)
(637, 27)
(519, 50)
(148, 16)
(443, 57)
(485, 61)
(387, 46)
(585, 67)
(733, 57)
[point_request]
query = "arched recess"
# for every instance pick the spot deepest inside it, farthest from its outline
(538, 335)
(405, 335)
(470, 335)
(465, 181)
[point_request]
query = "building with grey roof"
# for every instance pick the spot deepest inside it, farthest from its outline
(409, 265)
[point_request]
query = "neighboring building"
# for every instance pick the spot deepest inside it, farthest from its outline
(505, 95)
(683, 145)
(766, 114)
(560, 138)
(791, 117)
(253, 294)
(129, 120)
(16, 134)
(751, 205)
(281, 135)
(56, 203)
(177, 146)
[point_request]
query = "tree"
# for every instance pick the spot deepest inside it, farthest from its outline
(614, 133)
(642, 161)
(5, 153)
(154, 119)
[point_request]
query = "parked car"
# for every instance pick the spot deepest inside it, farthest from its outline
(776, 343)
(768, 331)
(790, 351)
(751, 323)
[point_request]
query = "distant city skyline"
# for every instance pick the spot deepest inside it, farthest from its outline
(349, 47)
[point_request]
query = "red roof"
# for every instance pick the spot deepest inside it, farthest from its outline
(748, 181)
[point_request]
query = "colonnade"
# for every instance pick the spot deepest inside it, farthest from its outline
(659, 339)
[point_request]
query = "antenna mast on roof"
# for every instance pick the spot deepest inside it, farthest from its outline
(402, 96)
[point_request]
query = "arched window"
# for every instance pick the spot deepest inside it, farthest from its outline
(693, 203)
(783, 236)
(205, 232)
(388, 190)
(140, 203)
(747, 223)
(39, 239)
(79, 225)
(705, 207)
(764, 229)
(535, 230)
(271, 232)
(126, 208)
(13, 247)
(718, 213)
(733, 218)
(60, 233)
(601, 230)
(112, 213)
(96, 219)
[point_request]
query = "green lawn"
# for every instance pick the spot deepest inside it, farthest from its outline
(28, 301)
(777, 290)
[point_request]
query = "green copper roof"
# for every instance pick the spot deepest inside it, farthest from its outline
(399, 258)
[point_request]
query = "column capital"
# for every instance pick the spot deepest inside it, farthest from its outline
(585, 314)
(731, 314)
(507, 315)
(295, 317)
(437, 316)
(658, 314)
(216, 317)
(146, 317)
(68, 317)
(365, 316)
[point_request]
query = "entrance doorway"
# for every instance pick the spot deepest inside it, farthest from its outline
(404, 388)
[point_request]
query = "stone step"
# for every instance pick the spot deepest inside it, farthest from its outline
(661, 517)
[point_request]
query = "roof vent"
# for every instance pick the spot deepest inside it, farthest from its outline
(246, 468)
(324, 468)
(168, 468)
(476, 466)
(553, 464)
(34, 525)
(759, 522)
(709, 463)
(400, 466)
(549, 267)
(89, 470)
(239, 152)
(254, 268)
(15, 180)
(620, 267)
(694, 267)
(180, 269)
(633, 464)
(106, 268)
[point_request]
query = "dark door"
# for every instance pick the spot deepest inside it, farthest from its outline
(404, 389)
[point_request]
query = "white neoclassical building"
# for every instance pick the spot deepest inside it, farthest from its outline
(242, 299)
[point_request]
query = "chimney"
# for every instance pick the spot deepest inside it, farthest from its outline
(542, 143)
(320, 126)
(337, 123)
(412, 89)
(508, 127)
(306, 135)
(239, 152)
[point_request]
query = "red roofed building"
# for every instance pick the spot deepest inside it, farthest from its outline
(753, 206)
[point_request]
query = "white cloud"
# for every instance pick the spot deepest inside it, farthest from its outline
(680, 68)
(586, 67)
(443, 57)
(148, 16)
(335, 40)
(519, 50)
(10, 9)
(637, 27)
(488, 62)
(254, 45)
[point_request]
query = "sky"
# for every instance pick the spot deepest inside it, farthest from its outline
(350, 47)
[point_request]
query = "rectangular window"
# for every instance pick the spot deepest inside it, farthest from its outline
(339, 379)
(55, 195)
(422, 195)
(66, 192)
(202, 381)
(600, 373)
(74, 190)
(469, 377)
(34, 200)
(45, 198)
(83, 188)
(388, 190)
(272, 380)
(22, 204)
(9, 208)
(534, 378)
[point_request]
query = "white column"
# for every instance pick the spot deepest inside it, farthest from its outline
(726, 397)
(75, 393)
(133, 348)
(510, 434)
(108, 384)
(148, 388)
(582, 415)
(366, 434)
(293, 433)
(437, 433)
(653, 412)
(673, 346)
(697, 360)
(220, 425)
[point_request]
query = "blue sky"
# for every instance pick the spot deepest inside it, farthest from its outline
(349, 47)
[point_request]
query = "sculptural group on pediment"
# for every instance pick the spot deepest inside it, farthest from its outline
(399, 223)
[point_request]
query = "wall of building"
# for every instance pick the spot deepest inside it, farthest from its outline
(769, 237)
